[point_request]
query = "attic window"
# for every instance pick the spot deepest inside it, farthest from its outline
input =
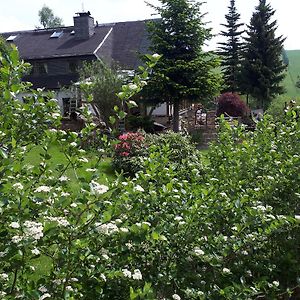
(11, 38)
(72, 32)
(56, 34)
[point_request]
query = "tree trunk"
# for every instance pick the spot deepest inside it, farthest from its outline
(176, 116)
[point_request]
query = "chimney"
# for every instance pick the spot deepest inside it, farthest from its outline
(84, 26)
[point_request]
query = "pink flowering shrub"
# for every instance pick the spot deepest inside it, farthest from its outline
(128, 152)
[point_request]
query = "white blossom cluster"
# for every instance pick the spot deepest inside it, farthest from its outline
(107, 229)
(33, 229)
(43, 189)
(136, 274)
(98, 189)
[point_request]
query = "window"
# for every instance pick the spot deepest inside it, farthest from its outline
(56, 34)
(11, 38)
(66, 106)
(42, 68)
(73, 66)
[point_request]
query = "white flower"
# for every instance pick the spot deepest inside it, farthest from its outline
(106, 229)
(132, 86)
(176, 297)
(73, 205)
(126, 273)
(91, 170)
(16, 239)
(128, 245)
(60, 220)
(137, 275)
(297, 218)
(33, 230)
(83, 159)
(43, 188)
(35, 251)
(276, 283)
(147, 223)
(73, 144)
(55, 115)
(155, 55)
(63, 178)
(105, 256)
(18, 186)
(98, 189)
(69, 288)
(3, 276)
(178, 218)
(65, 194)
(14, 225)
(43, 289)
(123, 229)
(103, 277)
(47, 295)
(226, 271)
(2, 294)
(223, 194)
(198, 251)
(139, 188)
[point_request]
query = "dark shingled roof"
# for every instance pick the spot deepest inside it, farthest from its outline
(120, 42)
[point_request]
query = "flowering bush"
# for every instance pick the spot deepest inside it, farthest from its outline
(128, 152)
(230, 231)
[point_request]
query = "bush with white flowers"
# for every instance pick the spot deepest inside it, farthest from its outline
(225, 230)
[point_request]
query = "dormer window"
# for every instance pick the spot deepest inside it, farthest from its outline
(11, 38)
(56, 34)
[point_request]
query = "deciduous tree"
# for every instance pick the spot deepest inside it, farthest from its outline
(48, 19)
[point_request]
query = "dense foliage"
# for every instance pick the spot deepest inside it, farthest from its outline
(185, 71)
(263, 67)
(133, 149)
(225, 230)
(48, 19)
(104, 84)
(231, 49)
(231, 104)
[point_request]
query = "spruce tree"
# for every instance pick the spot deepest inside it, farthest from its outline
(185, 72)
(263, 67)
(230, 50)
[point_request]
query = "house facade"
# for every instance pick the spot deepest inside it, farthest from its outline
(56, 54)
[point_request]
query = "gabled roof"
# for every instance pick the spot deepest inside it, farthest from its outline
(120, 42)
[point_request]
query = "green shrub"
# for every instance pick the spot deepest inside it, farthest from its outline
(144, 123)
(279, 104)
(176, 230)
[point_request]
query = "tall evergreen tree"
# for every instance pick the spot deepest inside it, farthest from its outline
(185, 71)
(263, 67)
(230, 50)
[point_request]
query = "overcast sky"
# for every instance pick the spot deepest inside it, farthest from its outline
(23, 14)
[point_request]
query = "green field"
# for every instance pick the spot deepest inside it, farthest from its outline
(293, 71)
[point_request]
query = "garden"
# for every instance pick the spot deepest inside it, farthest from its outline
(144, 216)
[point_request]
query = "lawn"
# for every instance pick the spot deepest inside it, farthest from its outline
(104, 169)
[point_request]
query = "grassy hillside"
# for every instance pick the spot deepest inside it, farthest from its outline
(292, 73)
